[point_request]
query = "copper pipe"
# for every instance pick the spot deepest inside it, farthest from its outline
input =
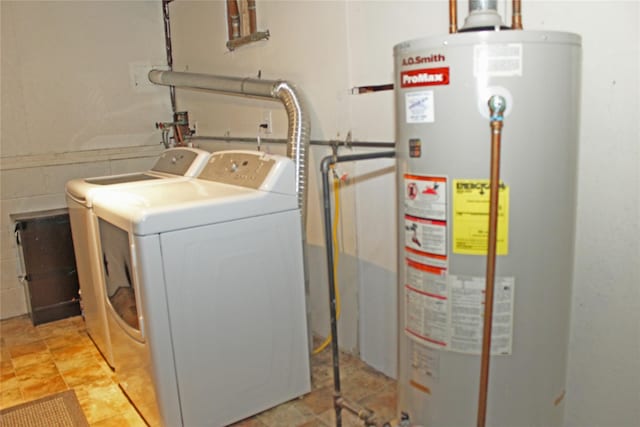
(497, 107)
(229, 22)
(453, 16)
(233, 19)
(243, 11)
(516, 18)
(253, 25)
(178, 136)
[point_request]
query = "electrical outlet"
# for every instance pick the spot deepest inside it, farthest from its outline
(267, 124)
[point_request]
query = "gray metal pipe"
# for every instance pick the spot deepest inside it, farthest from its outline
(299, 125)
(320, 142)
(325, 166)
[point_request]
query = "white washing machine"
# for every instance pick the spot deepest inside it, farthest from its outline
(175, 163)
(205, 289)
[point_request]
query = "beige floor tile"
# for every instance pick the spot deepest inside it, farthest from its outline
(103, 364)
(66, 326)
(55, 342)
(150, 414)
(6, 367)
(348, 419)
(363, 383)
(8, 381)
(284, 415)
(15, 326)
(36, 358)
(89, 372)
(321, 376)
(34, 374)
(79, 349)
(316, 422)
(28, 348)
(383, 405)
(22, 337)
(5, 356)
(130, 418)
(101, 402)
(319, 400)
(73, 363)
(10, 397)
(41, 389)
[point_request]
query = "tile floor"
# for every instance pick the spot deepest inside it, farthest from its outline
(41, 360)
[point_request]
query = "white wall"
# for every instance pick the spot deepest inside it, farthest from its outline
(604, 353)
(70, 107)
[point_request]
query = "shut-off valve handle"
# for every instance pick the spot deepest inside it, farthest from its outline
(497, 106)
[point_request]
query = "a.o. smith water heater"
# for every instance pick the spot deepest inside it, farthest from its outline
(443, 84)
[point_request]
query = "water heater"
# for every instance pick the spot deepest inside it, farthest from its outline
(442, 86)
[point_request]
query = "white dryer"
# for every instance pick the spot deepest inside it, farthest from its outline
(175, 163)
(205, 285)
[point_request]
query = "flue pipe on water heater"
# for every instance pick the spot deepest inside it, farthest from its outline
(299, 125)
(484, 13)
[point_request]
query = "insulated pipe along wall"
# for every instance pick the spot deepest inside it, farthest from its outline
(299, 125)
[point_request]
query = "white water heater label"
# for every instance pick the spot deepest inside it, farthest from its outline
(425, 367)
(426, 316)
(427, 279)
(497, 60)
(467, 299)
(419, 106)
(425, 196)
(447, 311)
(426, 230)
(426, 304)
(425, 235)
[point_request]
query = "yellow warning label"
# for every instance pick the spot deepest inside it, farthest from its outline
(471, 217)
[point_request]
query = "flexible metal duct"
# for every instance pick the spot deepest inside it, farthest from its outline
(299, 125)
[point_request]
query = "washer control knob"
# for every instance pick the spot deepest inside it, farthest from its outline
(234, 166)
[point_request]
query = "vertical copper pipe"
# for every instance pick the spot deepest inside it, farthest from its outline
(453, 16)
(516, 18)
(229, 21)
(233, 19)
(253, 26)
(243, 11)
(497, 106)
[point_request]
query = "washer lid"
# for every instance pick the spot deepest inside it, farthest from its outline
(179, 205)
(172, 163)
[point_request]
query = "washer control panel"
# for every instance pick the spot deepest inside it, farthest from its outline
(180, 161)
(243, 168)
